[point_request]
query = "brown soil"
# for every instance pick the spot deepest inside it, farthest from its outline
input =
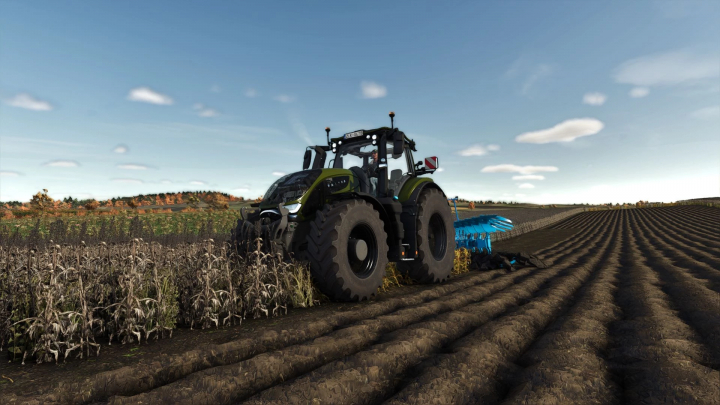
(628, 312)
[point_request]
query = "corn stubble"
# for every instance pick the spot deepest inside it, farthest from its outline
(57, 301)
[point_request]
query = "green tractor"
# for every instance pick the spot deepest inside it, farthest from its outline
(351, 214)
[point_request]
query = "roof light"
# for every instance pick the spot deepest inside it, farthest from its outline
(340, 143)
(374, 142)
(368, 137)
(334, 145)
(374, 137)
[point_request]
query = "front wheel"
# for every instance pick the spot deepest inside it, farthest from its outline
(347, 249)
(435, 240)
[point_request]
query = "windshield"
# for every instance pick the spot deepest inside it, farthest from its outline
(356, 156)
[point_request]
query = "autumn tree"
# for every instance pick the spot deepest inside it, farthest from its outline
(192, 200)
(133, 203)
(217, 201)
(42, 201)
(92, 205)
(471, 205)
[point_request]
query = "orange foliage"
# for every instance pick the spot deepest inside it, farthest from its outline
(7, 214)
(471, 205)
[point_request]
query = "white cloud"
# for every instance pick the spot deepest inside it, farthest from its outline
(565, 131)
(165, 182)
(478, 150)
(594, 98)
(639, 92)
(204, 111)
(279, 174)
(519, 195)
(284, 98)
(28, 102)
(509, 168)
(127, 181)
(669, 68)
(706, 113)
(120, 149)
(131, 166)
(251, 93)
(526, 185)
(147, 95)
(208, 112)
(241, 190)
(9, 173)
(198, 183)
(62, 163)
(529, 177)
(215, 88)
(372, 90)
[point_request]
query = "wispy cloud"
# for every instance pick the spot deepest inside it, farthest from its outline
(28, 102)
(510, 168)
(278, 174)
(639, 92)
(566, 131)
(300, 130)
(215, 88)
(478, 150)
(529, 177)
(9, 173)
(198, 183)
(165, 181)
(528, 71)
(62, 163)
(132, 166)
(372, 90)
(439, 169)
(707, 113)
(148, 95)
(120, 149)
(526, 185)
(251, 93)
(127, 181)
(670, 68)
(204, 111)
(594, 98)
(519, 195)
(284, 98)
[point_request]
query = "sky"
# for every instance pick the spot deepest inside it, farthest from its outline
(529, 101)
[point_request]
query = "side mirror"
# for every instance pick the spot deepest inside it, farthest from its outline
(418, 164)
(398, 138)
(306, 159)
(432, 163)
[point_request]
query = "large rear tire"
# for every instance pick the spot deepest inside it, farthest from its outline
(435, 240)
(347, 250)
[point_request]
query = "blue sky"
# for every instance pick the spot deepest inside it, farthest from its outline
(546, 102)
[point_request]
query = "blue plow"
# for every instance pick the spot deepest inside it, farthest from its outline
(474, 233)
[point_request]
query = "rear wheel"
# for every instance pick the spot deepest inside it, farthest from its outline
(347, 250)
(435, 240)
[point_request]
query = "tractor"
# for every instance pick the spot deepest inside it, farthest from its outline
(360, 202)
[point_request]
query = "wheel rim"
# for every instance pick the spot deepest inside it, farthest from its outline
(363, 268)
(437, 236)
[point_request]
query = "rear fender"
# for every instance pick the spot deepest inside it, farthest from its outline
(409, 214)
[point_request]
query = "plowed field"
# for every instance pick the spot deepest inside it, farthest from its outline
(628, 312)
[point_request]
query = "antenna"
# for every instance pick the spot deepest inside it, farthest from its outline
(392, 123)
(327, 134)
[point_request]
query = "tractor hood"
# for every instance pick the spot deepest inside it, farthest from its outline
(294, 186)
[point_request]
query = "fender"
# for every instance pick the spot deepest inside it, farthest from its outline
(409, 214)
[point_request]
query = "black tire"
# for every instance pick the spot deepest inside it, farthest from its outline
(241, 237)
(435, 240)
(337, 271)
